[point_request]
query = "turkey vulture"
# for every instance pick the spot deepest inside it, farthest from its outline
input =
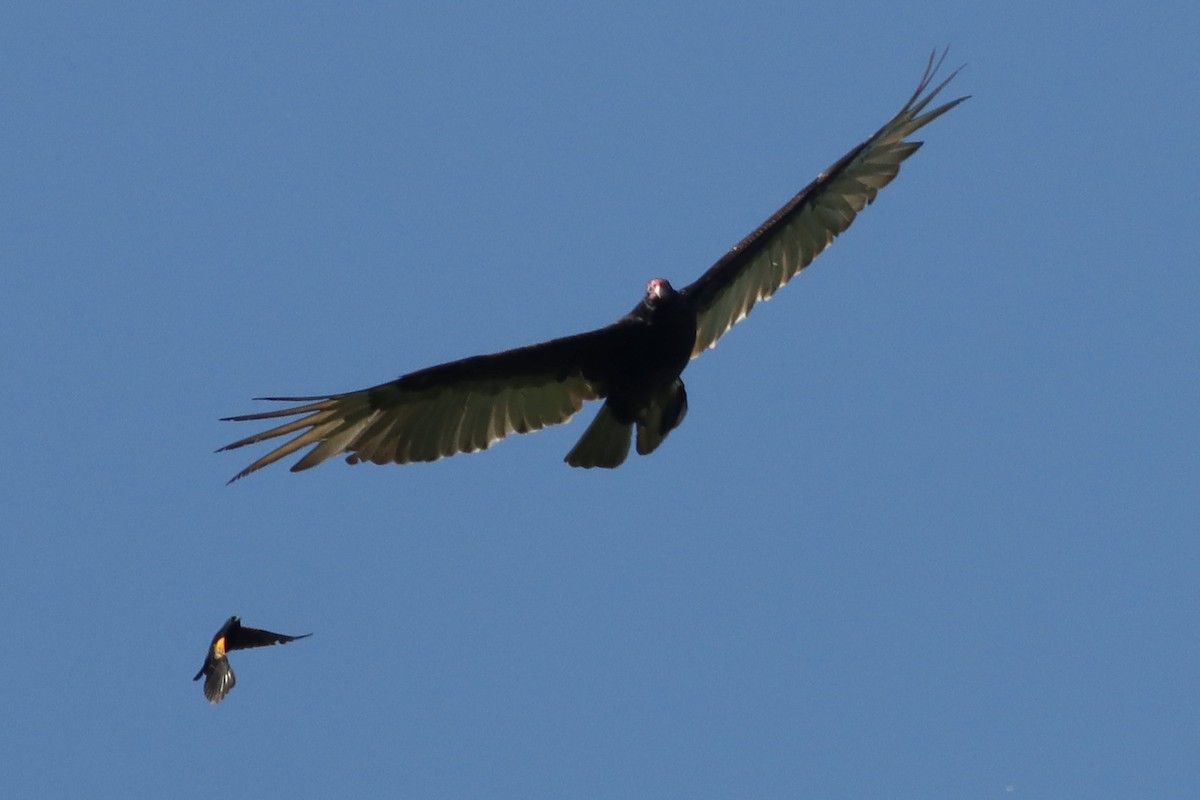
(634, 364)
(217, 674)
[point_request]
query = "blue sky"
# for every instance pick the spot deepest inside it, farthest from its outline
(929, 529)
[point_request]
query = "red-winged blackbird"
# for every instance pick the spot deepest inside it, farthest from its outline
(218, 676)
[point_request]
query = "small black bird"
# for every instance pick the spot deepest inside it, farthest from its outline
(218, 675)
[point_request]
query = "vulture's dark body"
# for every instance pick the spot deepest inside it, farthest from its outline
(643, 353)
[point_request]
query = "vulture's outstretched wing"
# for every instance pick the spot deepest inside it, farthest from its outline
(796, 234)
(458, 407)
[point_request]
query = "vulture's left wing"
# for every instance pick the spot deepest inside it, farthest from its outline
(788, 242)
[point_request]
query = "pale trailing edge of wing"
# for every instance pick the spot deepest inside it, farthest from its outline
(796, 234)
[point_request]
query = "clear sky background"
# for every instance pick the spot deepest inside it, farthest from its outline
(929, 529)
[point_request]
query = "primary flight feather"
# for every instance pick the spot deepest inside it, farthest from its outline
(634, 364)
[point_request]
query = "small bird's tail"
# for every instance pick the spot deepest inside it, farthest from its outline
(604, 444)
(219, 681)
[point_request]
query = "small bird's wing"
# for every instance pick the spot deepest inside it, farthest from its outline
(244, 638)
(788, 242)
(457, 407)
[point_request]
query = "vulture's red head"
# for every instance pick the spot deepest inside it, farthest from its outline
(657, 290)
